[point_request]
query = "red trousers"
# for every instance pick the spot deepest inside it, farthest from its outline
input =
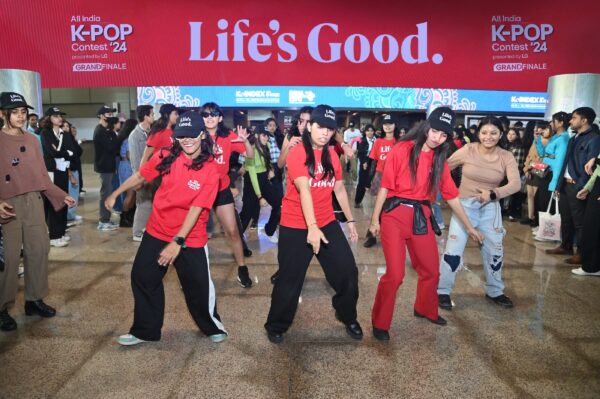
(396, 236)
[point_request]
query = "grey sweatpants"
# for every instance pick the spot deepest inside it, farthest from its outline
(106, 189)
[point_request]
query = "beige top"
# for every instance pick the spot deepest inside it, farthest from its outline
(22, 170)
(486, 173)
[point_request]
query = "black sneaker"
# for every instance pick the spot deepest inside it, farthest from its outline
(381, 335)
(501, 300)
(274, 277)
(276, 338)
(370, 241)
(440, 321)
(247, 253)
(7, 323)
(244, 277)
(445, 302)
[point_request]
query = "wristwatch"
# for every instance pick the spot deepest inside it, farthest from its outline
(180, 241)
(493, 195)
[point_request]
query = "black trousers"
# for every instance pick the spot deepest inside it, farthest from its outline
(590, 237)
(572, 213)
(251, 205)
(543, 196)
(149, 294)
(363, 182)
(57, 221)
(294, 256)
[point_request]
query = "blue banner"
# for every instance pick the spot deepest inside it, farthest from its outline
(375, 98)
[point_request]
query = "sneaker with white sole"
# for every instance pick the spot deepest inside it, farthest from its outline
(66, 238)
(137, 238)
(216, 338)
(274, 239)
(21, 271)
(107, 227)
(580, 272)
(59, 242)
(129, 340)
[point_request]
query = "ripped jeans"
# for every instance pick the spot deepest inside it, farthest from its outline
(488, 220)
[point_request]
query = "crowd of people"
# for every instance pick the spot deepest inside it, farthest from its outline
(169, 175)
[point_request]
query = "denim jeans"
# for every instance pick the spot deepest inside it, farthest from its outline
(488, 220)
(437, 210)
(73, 192)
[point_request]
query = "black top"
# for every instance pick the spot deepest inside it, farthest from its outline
(50, 145)
(106, 147)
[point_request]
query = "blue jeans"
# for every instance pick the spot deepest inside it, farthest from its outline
(73, 192)
(437, 210)
(488, 220)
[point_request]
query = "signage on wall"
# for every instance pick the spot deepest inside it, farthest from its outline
(376, 98)
(513, 45)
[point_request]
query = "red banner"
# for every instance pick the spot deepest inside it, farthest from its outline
(510, 45)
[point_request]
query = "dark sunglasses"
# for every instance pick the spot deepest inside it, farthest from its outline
(214, 114)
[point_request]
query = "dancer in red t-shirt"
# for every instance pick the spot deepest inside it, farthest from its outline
(176, 233)
(160, 135)
(378, 155)
(415, 170)
(308, 227)
(227, 142)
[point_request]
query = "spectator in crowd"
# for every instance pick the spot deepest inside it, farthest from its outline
(124, 171)
(515, 146)
(363, 148)
(70, 132)
(582, 148)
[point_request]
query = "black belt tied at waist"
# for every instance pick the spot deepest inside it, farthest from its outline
(419, 219)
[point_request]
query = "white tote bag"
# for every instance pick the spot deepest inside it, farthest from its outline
(549, 228)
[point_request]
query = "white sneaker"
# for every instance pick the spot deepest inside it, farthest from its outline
(21, 272)
(59, 242)
(216, 338)
(580, 272)
(75, 222)
(107, 226)
(137, 238)
(274, 239)
(66, 238)
(129, 340)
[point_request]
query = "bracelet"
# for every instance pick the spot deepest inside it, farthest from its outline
(350, 221)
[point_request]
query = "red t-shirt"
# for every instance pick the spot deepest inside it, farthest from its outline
(321, 190)
(397, 179)
(160, 139)
(223, 149)
(180, 189)
(379, 152)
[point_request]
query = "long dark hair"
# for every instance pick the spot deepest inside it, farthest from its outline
(294, 131)
(328, 171)
(222, 130)
(206, 153)
(262, 149)
(563, 118)
(126, 130)
(418, 134)
(528, 135)
(160, 124)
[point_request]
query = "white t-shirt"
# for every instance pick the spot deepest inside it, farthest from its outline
(350, 134)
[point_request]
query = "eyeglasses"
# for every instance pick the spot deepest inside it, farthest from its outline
(182, 139)
(214, 114)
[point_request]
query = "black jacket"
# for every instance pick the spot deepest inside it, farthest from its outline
(581, 149)
(50, 145)
(74, 146)
(106, 148)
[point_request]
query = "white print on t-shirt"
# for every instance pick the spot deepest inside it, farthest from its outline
(194, 185)
(219, 154)
(317, 182)
(383, 152)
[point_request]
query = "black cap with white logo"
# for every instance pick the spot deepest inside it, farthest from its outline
(324, 115)
(53, 111)
(389, 118)
(105, 110)
(442, 118)
(190, 124)
(12, 100)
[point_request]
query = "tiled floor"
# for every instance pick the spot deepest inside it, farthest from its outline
(548, 346)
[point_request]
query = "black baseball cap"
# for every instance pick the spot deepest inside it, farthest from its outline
(442, 118)
(12, 100)
(189, 124)
(105, 109)
(389, 118)
(53, 111)
(324, 115)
